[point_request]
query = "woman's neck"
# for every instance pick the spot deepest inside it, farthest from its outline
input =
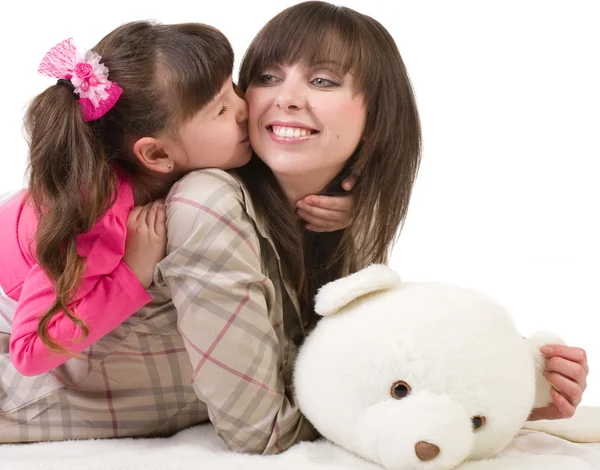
(297, 187)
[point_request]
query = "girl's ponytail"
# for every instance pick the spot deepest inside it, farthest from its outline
(71, 184)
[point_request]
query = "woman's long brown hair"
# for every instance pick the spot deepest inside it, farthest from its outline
(385, 163)
(168, 73)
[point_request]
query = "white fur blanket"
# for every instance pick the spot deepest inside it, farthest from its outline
(199, 448)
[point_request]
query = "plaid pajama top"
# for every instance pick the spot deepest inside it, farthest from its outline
(218, 341)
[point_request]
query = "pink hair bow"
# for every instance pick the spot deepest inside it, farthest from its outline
(89, 77)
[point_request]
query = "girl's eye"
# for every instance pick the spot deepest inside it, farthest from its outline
(323, 83)
(223, 109)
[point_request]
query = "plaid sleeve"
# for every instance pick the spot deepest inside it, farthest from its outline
(214, 271)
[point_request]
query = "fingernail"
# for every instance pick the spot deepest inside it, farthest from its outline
(546, 350)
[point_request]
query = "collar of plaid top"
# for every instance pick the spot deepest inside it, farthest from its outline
(261, 227)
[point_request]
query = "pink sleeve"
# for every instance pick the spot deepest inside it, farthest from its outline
(108, 294)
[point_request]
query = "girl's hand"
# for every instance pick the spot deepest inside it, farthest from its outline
(146, 240)
(567, 371)
(328, 213)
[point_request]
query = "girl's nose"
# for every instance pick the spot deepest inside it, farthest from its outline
(242, 111)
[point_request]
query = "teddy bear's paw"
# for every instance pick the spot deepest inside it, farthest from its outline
(542, 386)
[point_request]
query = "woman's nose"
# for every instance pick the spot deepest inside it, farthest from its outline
(291, 96)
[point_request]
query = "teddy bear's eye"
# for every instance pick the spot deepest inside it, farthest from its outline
(477, 422)
(400, 389)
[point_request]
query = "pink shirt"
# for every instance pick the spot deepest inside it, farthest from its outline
(108, 294)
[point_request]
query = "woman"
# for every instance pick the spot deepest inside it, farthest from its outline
(328, 96)
(316, 113)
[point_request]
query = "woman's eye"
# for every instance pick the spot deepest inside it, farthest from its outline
(267, 79)
(400, 390)
(477, 422)
(223, 109)
(323, 83)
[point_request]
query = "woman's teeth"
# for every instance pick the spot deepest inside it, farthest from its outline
(281, 131)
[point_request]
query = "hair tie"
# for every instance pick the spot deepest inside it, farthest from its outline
(84, 75)
(68, 84)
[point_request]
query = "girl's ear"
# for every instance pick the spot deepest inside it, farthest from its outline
(151, 154)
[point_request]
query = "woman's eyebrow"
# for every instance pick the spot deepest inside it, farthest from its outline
(329, 64)
(274, 67)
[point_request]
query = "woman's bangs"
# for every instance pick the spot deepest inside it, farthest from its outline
(312, 40)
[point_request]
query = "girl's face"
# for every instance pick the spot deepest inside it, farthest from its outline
(217, 136)
(305, 120)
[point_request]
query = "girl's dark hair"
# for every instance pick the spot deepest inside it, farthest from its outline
(167, 73)
(385, 163)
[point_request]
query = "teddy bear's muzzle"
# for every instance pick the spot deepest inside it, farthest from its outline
(424, 431)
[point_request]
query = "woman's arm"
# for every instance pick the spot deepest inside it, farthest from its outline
(214, 271)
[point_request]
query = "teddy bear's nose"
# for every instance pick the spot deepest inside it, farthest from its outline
(426, 451)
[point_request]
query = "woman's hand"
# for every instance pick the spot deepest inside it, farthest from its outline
(328, 213)
(567, 371)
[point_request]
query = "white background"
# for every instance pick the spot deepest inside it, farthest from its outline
(507, 198)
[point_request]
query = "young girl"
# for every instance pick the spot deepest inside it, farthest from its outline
(119, 126)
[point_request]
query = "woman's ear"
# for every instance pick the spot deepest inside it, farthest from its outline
(151, 154)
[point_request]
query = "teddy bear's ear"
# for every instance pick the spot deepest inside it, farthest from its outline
(334, 296)
(542, 386)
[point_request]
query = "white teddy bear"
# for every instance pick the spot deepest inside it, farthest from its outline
(417, 375)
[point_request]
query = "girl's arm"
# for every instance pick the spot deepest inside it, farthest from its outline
(108, 294)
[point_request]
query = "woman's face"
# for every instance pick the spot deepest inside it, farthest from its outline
(304, 120)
